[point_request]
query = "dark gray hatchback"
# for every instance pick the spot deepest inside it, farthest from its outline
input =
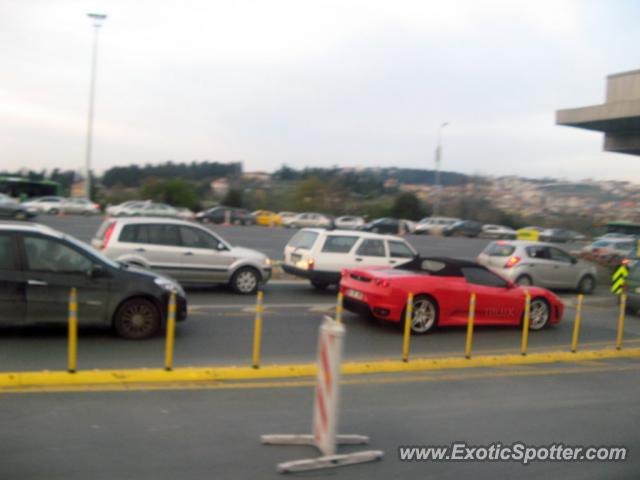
(39, 266)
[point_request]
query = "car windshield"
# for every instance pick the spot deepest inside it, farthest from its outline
(91, 252)
(303, 239)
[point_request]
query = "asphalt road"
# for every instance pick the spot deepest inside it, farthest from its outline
(219, 330)
(273, 240)
(213, 431)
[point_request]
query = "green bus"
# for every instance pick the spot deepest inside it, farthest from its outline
(22, 188)
(624, 228)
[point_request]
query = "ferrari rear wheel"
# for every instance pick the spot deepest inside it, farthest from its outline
(539, 314)
(425, 314)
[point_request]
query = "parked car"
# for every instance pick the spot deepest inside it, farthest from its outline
(611, 249)
(235, 216)
(632, 288)
(52, 205)
(39, 266)
(190, 253)
(614, 236)
(320, 255)
(349, 222)
(463, 228)
(143, 208)
(387, 225)
(287, 218)
(409, 225)
(9, 208)
(117, 210)
(535, 263)
(81, 206)
(267, 218)
(442, 288)
(185, 214)
(498, 232)
(311, 220)
(434, 225)
(560, 235)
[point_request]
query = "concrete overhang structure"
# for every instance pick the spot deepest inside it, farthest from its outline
(618, 117)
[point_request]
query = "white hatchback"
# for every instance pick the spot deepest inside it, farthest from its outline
(320, 255)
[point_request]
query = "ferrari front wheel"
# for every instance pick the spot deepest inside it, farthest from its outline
(425, 314)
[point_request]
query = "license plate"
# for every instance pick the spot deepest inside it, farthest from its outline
(355, 294)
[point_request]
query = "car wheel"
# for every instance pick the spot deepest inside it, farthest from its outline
(425, 315)
(524, 281)
(245, 281)
(319, 285)
(587, 285)
(539, 314)
(20, 215)
(137, 319)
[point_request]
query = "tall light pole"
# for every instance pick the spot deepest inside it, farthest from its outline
(436, 205)
(98, 20)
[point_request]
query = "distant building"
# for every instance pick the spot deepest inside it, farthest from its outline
(258, 176)
(220, 186)
(618, 117)
(79, 189)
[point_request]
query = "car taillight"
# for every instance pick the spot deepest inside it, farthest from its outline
(310, 264)
(512, 262)
(344, 273)
(95, 206)
(381, 283)
(107, 236)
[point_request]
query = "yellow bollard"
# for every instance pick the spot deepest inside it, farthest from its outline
(171, 332)
(73, 330)
(339, 308)
(257, 331)
(576, 324)
(407, 328)
(623, 306)
(472, 316)
(525, 323)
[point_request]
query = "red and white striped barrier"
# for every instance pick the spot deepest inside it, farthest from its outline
(325, 411)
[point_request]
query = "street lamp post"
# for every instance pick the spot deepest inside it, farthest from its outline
(98, 20)
(436, 205)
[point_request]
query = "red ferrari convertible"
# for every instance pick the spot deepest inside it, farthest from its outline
(442, 289)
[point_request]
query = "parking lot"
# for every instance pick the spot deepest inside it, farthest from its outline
(219, 329)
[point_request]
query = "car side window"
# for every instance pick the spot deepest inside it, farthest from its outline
(339, 244)
(7, 257)
(47, 255)
(164, 235)
(195, 238)
(539, 252)
(480, 276)
(558, 255)
(399, 250)
(371, 248)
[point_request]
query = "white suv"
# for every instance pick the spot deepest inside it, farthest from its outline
(320, 255)
(191, 254)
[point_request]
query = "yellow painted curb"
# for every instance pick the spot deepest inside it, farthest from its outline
(13, 380)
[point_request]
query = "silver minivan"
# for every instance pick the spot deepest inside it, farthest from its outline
(536, 263)
(191, 254)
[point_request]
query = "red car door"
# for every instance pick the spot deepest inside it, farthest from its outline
(497, 301)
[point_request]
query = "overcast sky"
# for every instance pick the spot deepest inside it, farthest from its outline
(315, 83)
